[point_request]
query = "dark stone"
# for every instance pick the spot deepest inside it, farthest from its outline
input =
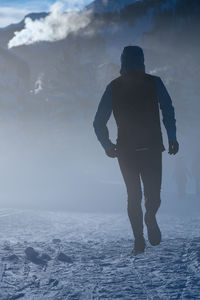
(12, 258)
(33, 256)
(53, 282)
(64, 258)
(45, 256)
(17, 296)
(6, 246)
(30, 252)
(56, 241)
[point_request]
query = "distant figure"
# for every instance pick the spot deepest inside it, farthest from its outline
(195, 173)
(134, 98)
(180, 176)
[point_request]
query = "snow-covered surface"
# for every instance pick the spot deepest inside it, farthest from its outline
(107, 6)
(101, 265)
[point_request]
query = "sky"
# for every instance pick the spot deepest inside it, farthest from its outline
(13, 11)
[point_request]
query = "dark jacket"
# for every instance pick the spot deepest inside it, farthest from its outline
(136, 111)
(134, 98)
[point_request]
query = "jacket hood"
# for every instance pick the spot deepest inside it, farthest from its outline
(132, 59)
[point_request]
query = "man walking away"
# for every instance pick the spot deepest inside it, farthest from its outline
(135, 98)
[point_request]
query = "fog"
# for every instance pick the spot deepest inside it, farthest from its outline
(57, 25)
(49, 92)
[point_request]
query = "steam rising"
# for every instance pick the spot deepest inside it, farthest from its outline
(56, 26)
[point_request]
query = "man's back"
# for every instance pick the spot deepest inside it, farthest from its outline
(136, 111)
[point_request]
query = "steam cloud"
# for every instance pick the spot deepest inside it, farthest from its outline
(56, 26)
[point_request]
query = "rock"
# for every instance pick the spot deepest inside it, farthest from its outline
(64, 258)
(53, 282)
(45, 256)
(12, 258)
(17, 296)
(33, 256)
(56, 241)
(6, 246)
(30, 252)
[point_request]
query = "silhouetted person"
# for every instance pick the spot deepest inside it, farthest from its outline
(134, 99)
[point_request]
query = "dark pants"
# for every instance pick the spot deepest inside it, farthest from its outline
(145, 166)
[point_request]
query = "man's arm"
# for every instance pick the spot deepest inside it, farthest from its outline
(168, 114)
(102, 116)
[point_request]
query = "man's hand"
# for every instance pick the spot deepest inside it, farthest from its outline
(173, 147)
(112, 151)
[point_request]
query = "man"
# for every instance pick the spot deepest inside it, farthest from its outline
(134, 98)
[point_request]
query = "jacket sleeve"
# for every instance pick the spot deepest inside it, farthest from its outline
(102, 116)
(167, 109)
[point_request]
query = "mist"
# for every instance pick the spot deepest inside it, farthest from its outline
(51, 83)
(57, 25)
(65, 228)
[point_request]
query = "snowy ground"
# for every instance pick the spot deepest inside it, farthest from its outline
(98, 260)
